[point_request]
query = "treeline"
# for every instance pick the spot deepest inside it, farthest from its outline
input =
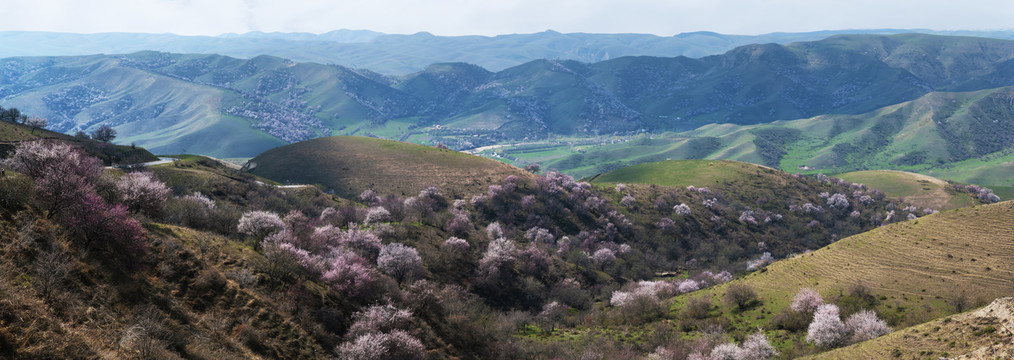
(12, 115)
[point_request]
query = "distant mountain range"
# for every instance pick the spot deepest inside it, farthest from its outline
(229, 107)
(404, 54)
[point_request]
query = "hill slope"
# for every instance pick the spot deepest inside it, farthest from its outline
(962, 136)
(350, 165)
(914, 271)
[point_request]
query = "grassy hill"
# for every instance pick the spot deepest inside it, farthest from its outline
(915, 270)
(349, 165)
(920, 190)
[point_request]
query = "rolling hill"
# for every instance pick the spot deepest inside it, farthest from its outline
(351, 165)
(961, 136)
(169, 102)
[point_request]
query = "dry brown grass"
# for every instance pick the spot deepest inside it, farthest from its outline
(969, 250)
(350, 165)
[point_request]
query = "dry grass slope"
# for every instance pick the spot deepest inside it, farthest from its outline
(350, 165)
(916, 268)
(968, 250)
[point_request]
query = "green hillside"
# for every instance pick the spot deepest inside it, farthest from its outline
(962, 136)
(350, 165)
(920, 190)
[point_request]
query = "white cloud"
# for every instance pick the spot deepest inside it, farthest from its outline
(459, 17)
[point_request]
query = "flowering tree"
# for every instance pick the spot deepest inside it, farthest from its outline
(142, 192)
(460, 224)
(200, 198)
(628, 201)
(757, 347)
(63, 174)
(456, 244)
(36, 123)
(806, 301)
(400, 261)
(865, 325)
(499, 261)
(259, 223)
(757, 264)
(826, 330)
(377, 214)
(397, 344)
(838, 201)
(369, 197)
(110, 225)
(537, 234)
(681, 210)
(380, 319)
(603, 257)
(727, 351)
(494, 231)
(347, 273)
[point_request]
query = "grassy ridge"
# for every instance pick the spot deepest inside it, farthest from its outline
(920, 190)
(349, 165)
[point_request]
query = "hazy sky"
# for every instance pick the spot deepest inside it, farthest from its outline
(491, 17)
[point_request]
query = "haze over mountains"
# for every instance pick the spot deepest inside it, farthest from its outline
(393, 54)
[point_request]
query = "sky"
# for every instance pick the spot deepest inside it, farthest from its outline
(493, 17)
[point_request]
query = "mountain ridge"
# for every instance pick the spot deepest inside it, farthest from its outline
(465, 106)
